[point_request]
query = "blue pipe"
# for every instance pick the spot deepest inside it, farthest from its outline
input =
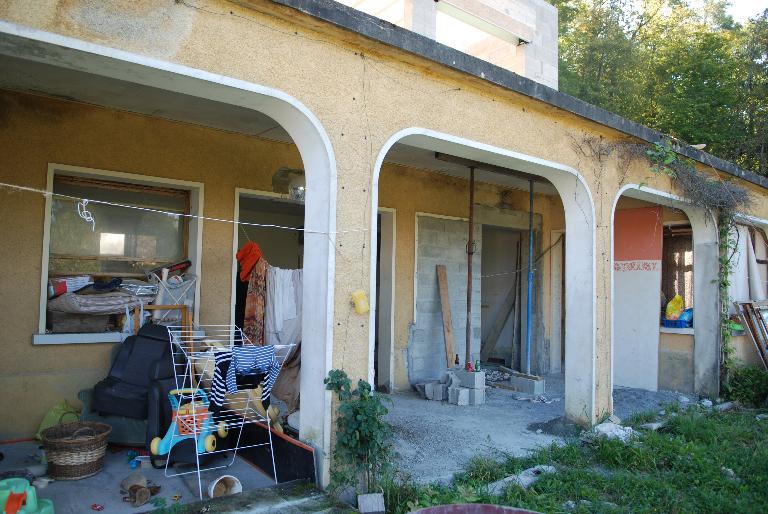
(529, 314)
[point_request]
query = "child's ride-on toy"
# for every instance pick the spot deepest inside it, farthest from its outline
(191, 420)
(18, 497)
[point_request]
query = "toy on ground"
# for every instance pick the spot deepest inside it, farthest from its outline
(191, 420)
(17, 496)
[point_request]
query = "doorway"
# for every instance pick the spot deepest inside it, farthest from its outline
(384, 321)
(501, 294)
(280, 247)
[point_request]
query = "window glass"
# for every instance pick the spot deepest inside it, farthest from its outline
(122, 241)
(677, 264)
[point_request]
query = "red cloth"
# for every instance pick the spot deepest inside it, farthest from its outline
(248, 256)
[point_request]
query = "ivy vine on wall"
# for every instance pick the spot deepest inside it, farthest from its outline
(722, 199)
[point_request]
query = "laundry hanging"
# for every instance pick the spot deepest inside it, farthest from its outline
(232, 364)
(255, 303)
(746, 284)
(283, 309)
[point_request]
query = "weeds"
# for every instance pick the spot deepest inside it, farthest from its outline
(748, 386)
(684, 468)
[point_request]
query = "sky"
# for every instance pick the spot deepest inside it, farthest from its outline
(743, 9)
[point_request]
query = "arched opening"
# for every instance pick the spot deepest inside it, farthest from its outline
(423, 177)
(664, 249)
(209, 108)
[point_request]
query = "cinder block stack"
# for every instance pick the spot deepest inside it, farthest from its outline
(470, 389)
(457, 386)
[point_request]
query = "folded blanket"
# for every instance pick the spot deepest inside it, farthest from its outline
(107, 303)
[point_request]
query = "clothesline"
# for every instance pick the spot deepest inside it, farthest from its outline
(90, 219)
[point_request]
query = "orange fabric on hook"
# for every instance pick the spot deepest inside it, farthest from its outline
(248, 256)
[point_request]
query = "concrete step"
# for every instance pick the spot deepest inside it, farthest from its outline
(290, 498)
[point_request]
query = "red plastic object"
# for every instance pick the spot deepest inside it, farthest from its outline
(469, 366)
(97, 507)
(15, 502)
(473, 508)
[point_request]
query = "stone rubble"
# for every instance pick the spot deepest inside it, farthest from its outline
(524, 479)
(724, 407)
(652, 426)
(613, 431)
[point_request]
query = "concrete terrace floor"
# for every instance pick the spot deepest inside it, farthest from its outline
(434, 440)
(77, 496)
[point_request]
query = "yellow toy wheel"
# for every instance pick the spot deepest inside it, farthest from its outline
(210, 443)
(223, 430)
(154, 446)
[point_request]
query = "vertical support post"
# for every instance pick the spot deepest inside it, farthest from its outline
(470, 253)
(529, 307)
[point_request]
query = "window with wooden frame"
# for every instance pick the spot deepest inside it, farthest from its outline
(123, 241)
(677, 264)
(139, 225)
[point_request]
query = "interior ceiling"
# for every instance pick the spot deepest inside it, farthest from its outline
(32, 77)
(278, 205)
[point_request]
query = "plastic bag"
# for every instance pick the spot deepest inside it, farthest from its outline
(62, 412)
(675, 307)
(687, 316)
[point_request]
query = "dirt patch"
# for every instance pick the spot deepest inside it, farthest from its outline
(558, 426)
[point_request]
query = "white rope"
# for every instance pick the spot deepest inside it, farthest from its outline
(87, 216)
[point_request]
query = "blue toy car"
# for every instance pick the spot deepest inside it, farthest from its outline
(191, 420)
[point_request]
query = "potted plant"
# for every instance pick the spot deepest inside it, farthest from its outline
(362, 451)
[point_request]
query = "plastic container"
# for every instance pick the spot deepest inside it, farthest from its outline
(224, 486)
(675, 323)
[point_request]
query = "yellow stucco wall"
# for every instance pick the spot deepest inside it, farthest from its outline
(362, 93)
(42, 130)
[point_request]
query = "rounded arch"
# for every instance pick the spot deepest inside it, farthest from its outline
(705, 284)
(581, 316)
(317, 155)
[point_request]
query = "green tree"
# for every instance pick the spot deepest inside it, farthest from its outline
(684, 68)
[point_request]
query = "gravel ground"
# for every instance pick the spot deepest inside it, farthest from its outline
(434, 440)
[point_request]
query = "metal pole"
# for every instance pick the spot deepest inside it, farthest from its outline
(470, 253)
(529, 313)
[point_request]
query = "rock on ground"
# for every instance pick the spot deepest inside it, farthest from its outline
(524, 479)
(611, 431)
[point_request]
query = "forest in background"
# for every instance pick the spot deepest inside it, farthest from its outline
(682, 67)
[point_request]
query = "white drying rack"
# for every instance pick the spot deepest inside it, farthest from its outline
(194, 365)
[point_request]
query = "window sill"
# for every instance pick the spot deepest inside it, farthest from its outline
(101, 337)
(666, 330)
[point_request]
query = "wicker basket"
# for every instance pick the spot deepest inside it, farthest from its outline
(75, 450)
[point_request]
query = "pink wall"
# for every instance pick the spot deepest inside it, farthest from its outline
(637, 234)
(637, 244)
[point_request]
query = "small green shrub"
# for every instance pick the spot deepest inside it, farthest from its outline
(748, 386)
(362, 451)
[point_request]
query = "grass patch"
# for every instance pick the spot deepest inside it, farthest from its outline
(681, 469)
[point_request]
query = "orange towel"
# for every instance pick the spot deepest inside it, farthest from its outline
(248, 256)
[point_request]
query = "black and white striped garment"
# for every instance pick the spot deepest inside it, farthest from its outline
(222, 361)
(249, 359)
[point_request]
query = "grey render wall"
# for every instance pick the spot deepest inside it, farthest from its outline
(534, 21)
(442, 241)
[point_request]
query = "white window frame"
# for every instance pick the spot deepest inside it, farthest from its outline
(195, 243)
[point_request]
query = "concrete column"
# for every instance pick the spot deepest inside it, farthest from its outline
(706, 304)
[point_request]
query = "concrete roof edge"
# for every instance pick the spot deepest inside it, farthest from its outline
(392, 35)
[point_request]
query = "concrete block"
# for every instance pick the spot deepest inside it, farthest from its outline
(372, 503)
(440, 392)
(458, 396)
(471, 379)
(477, 396)
(527, 384)
(434, 391)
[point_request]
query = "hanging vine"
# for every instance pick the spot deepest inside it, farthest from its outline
(722, 199)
